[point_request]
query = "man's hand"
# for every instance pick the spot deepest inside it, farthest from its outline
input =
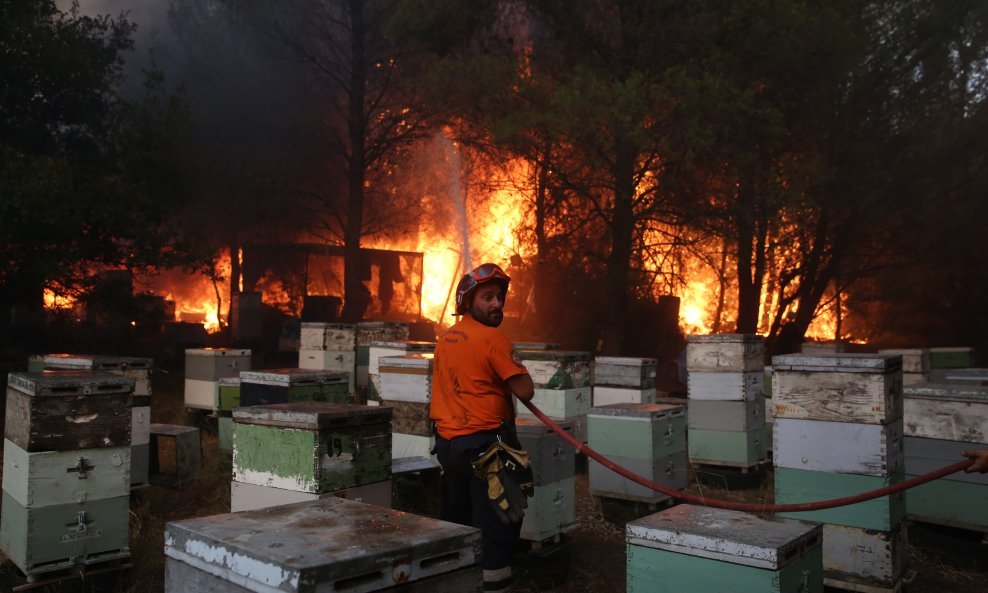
(980, 458)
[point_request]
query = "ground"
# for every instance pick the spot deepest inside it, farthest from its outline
(591, 559)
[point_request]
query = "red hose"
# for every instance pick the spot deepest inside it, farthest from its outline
(759, 508)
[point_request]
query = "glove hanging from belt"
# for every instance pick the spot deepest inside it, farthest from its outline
(508, 475)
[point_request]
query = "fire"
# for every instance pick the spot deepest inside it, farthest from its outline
(55, 300)
(197, 297)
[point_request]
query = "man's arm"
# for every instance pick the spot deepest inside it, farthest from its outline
(522, 386)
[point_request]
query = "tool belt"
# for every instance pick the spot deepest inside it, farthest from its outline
(507, 471)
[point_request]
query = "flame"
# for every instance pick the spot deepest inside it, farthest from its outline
(195, 295)
(54, 300)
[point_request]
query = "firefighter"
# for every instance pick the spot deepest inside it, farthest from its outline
(475, 374)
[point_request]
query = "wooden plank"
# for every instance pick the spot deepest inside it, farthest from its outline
(327, 336)
(557, 369)
(322, 545)
(559, 403)
(951, 357)
(943, 419)
(312, 415)
(843, 362)
(871, 398)
(201, 394)
(637, 437)
(839, 447)
(409, 417)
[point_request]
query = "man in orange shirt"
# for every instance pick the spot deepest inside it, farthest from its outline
(475, 373)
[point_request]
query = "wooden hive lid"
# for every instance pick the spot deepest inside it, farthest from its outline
(633, 361)
(66, 383)
(217, 352)
(724, 535)
(312, 415)
(292, 377)
(843, 362)
(638, 411)
(725, 339)
(947, 391)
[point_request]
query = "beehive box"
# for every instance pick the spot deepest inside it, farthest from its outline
(369, 332)
(720, 353)
(137, 368)
(412, 445)
(947, 412)
(620, 371)
(328, 360)
(951, 358)
(725, 386)
(966, 376)
(406, 378)
(839, 447)
(311, 447)
(56, 537)
(384, 349)
(551, 511)
(925, 455)
(727, 447)
(536, 345)
(49, 478)
(228, 390)
(67, 410)
(249, 497)
(914, 360)
(410, 417)
(325, 546)
(670, 471)
(637, 431)
(952, 503)
(604, 396)
(552, 459)
(327, 336)
(201, 394)
(864, 556)
(557, 369)
(861, 388)
(558, 403)
(692, 548)
(883, 514)
(276, 386)
(212, 364)
(224, 432)
(738, 416)
(140, 464)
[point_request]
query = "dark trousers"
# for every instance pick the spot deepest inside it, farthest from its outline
(464, 498)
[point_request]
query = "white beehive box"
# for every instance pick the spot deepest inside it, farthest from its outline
(603, 395)
(250, 497)
(737, 353)
(947, 412)
(839, 447)
(406, 378)
(725, 386)
(624, 371)
(327, 336)
(863, 388)
(557, 369)
(864, 557)
(914, 360)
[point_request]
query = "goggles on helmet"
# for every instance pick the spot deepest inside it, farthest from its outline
(480, 275)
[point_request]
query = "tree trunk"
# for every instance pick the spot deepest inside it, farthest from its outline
(751, 257)
(619, 259)
(355, 294)
(235, 273)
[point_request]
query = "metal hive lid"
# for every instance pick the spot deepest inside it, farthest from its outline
(730, 536)
(844, 362)
(312, 546)
(64, 383)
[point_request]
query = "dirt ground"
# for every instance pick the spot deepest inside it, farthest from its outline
(590, 559)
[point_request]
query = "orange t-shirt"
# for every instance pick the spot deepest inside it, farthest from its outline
(469, 389)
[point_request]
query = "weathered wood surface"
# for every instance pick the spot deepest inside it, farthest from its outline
(313, 415)
(65, 423)
(409, 417)
(844, 362)
(557, 369)
(839, 447)
(327, 360)
(914, 360)
(61, 477)
(725, 386)
(369, 332)
(871, 398)
(327, 336)
(736, 353)
(210, 364)
(383, 349)
(320, 545)
(949, 420)
(228, 394)
(140, 425)
(618, 371)
(551, 511)
(730, 536)
(536, 345)
(873, 557)
(603, 395)
(403, 386)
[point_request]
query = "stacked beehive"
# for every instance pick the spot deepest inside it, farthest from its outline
(278, 386)
(915, 364)
(551, 510)
(562, 386)
(382, 348)
(942, 421)
(326, 545)
(293, 452)
(839, 432)
(536, 345)
(66, 472)
(693, 548)
(727, 403)
(228, 400)
(138, 369)
(204, 367)
(329, 347)
(647, 439)
(406, 387)
(943, 360)
(369, 332)
(621, 379)
(769, 408)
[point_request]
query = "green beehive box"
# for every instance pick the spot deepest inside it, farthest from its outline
(49, 478)
(692, 549)
(950, 503)
(884, 513)
(311, 447)
(637, 431)
(224, 432)
(728, 448)
(229, 394)
(277, 386)
(60, 536)
(36, 363)
(951, 358)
